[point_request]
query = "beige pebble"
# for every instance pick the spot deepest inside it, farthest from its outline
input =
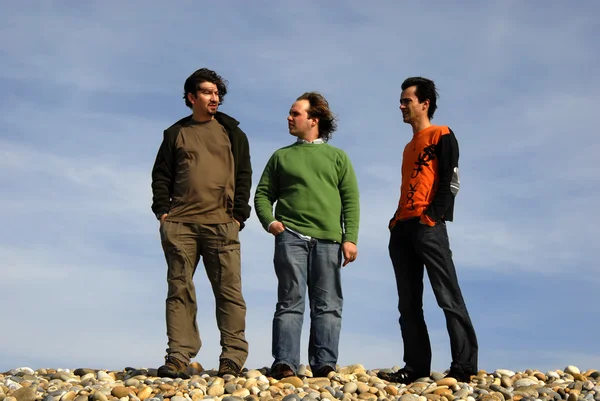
(243, 392)
(294, 381)
(447, 381)
(68, 396)
(144, 393)
(215, 390)
(120, 391)
(362, 387)
(391, 389)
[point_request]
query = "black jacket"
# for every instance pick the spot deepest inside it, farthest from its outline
(163, 170)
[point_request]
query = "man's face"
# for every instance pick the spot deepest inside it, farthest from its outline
(299, 123)
(412, 110)
(205, 101)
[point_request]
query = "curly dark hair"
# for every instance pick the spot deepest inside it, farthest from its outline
(425, 90)
(319, 108)
(192, 84)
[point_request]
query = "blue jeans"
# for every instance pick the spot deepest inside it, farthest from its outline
(300, 264)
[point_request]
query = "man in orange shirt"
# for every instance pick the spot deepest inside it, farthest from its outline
(419, 239)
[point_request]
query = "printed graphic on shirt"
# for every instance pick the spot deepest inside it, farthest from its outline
(420, 171)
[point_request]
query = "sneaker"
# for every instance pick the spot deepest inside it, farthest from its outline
(402, 376)
(323, 371)
(281, 371)
(173, 368)
(228, 367)
(460, 375)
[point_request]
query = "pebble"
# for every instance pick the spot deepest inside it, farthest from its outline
(348, 383)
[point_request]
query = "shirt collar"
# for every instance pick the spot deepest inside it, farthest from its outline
(315, 142)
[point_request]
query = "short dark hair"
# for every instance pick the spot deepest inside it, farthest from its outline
(192, 84)
(318, 107)
(425, 90)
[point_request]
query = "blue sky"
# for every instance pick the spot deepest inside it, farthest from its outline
(86, 90)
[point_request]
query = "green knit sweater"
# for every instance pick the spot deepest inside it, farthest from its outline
(316, 192)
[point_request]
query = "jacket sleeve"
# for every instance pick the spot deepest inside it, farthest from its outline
(243, 179)
(442, 205)
(266, 194)
(162, 177)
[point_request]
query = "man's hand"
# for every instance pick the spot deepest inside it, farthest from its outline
(276, 228)
(162, 218)
(350, 252)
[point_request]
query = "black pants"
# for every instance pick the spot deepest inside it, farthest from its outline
(413, 245)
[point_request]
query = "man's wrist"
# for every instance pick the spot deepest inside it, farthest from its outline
(159, 215)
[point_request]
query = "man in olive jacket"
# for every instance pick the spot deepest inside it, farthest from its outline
(201, 187)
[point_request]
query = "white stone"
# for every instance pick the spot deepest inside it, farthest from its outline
(505, 372)
(572, 370)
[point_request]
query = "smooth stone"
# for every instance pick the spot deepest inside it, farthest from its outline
(391, 389)
(241, 393)
(230, 388)
(178, 398)
(506, 381)
(253, 374)
(103, 376)
(352, 369)
(83, 371)
(302, 371)
(437, 376)
(144, 393)
(528, 391)
(81, 398)
(462, 393)
(491, 397)
(291, 397)
(68, 396)
(293, 380)
(409, 397)
(447, 381)
(350, 387)
(552, 374)
(98, 396)
(120, 391)
(330, 389)
(25, 394)
(526, 383)
(362, 387)
(132, 382)
(572, 370)
(216, 390)
(505, 372)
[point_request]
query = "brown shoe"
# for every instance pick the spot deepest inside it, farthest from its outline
(228, 367)
(173, 368)
(281, 371)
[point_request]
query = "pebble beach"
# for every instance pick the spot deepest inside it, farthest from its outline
(348, 383)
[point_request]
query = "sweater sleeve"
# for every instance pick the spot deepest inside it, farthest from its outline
(266, 194)
(349, 195)
(162, 177)
(443, 201)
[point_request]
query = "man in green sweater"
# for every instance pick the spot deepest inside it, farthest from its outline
(315, 223)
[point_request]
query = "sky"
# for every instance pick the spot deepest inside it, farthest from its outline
(87, 88)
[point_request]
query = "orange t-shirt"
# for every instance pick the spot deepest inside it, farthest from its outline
(421, 172)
